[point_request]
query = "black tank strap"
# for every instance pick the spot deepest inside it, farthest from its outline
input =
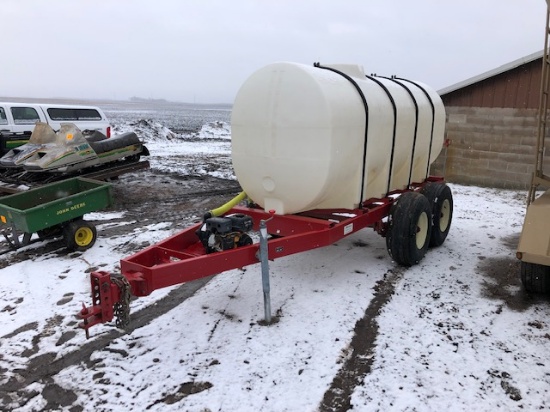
(433, 119)
(366, 108)
(394, 127)
(397, 81)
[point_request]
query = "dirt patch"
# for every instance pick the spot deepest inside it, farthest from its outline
(160, 196)
(502, 278)
(185, 389)
(502, 282)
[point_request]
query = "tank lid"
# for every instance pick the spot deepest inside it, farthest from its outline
(353, 70)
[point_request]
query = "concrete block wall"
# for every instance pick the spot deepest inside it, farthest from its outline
(491, 147)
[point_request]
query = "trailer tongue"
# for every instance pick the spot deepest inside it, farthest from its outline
(186, 256)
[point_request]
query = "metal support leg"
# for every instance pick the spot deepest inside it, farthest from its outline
(14, 242)
(265, 271)
(26, 238)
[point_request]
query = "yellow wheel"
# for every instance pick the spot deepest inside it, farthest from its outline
(84, 236)
(422, 230)
(441, 200)
(79, 235)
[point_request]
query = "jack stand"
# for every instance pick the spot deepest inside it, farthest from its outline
(264, 259)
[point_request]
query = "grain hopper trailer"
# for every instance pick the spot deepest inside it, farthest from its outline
(534, 244)
(321, 152)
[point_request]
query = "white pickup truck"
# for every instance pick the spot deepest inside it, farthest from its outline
(20, 118)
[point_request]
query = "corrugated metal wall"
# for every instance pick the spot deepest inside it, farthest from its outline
(517, 88)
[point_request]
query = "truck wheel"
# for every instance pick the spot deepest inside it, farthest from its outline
(409, 228)
(79, 235)
(441, 200)
(535, 278)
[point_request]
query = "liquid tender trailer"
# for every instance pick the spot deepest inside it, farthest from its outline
(321, 152)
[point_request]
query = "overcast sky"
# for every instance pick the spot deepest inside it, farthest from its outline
(203, 50)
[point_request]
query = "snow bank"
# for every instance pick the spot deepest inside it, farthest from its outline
(214, 130)
(150, 130)
(147, 130)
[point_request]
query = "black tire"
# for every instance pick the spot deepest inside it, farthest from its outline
(409, 228)
(440, 197)
(535, 278)
(79, 235)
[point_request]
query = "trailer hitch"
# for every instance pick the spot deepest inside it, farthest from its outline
(110, 297)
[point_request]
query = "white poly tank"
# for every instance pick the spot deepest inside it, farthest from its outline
(329, 137)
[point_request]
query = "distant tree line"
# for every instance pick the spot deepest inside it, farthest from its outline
(142, 99)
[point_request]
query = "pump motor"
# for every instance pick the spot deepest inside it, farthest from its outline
(225, 232)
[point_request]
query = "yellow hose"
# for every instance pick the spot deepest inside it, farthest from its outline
(226, 207)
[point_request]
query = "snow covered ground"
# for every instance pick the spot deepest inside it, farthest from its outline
(458, 333)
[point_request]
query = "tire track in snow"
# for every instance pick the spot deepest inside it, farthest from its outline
(363, 345)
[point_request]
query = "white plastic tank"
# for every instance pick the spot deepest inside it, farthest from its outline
(329, 137)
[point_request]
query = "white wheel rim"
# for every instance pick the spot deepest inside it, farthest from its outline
(445, 215)
(421, 230)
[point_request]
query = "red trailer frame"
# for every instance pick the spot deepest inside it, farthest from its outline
(182, 257)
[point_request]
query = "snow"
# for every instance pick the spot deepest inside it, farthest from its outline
(444, 342)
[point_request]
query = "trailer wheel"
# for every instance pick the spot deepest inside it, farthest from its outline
(79, 235)
(409, 228)
(441, 200)
(535, 278)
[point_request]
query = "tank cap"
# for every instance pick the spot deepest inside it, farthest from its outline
(353, 70)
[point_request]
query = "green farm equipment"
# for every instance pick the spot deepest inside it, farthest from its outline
(54, 210)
